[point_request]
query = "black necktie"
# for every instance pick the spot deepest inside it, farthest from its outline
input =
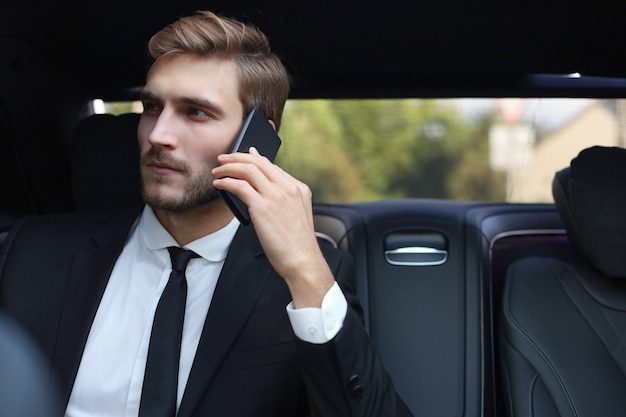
(160, 383)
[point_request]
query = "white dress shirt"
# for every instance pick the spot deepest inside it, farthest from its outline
(110, 375)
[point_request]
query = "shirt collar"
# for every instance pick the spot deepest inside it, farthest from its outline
(212, 247)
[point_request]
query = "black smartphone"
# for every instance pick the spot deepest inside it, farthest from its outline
(258, 132)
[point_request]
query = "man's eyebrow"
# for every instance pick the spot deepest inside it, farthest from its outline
(196, 101)
(201, 102)
(146, 95)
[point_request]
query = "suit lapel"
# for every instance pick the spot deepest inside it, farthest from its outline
(241, 280)
(91, 268)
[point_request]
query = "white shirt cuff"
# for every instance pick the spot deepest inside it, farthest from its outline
(320, 325)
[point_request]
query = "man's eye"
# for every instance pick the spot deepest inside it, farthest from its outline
(198, 113)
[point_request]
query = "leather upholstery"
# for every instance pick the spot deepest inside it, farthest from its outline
(563, 321)
(105, 163)
(591, 198)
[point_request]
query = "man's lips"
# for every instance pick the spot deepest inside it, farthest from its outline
(162, 168)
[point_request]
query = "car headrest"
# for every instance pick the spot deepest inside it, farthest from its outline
(105, 163)
(590, 196)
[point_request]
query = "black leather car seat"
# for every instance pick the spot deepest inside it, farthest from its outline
(105, 163)
(563, 323)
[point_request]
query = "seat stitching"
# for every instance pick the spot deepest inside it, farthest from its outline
(518, 327)
(507, 386)
(587, 318)
(531, 389)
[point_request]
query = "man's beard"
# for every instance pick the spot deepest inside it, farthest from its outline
(198, 190)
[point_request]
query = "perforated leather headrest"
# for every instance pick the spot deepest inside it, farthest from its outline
(105, 163)
(591, 198)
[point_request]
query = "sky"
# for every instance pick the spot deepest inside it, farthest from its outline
(546, 113)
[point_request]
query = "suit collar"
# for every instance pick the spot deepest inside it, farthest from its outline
(90, 271)
(118, 228)
(244, 273)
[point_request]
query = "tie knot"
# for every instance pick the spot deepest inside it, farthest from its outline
(180, 257)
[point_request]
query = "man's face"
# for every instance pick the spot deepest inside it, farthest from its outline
(192, 113)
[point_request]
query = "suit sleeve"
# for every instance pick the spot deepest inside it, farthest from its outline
(345, 377)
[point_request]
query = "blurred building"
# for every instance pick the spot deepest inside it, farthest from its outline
(597, 124)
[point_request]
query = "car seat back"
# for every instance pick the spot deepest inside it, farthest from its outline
(563, 322)
(105, 163)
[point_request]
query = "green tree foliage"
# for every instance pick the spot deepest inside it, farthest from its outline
(471, 178)
(353, 150)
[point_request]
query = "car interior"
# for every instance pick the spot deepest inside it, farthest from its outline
(478, 308)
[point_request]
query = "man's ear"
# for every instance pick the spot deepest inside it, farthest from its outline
(272, 123)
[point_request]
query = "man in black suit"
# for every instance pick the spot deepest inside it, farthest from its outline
(89, 287)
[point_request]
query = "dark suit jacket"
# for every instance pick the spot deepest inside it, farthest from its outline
(53, 272)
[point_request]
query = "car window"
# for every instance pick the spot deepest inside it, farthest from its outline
(485, 149)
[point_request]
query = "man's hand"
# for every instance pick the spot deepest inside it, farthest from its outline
(280, 208)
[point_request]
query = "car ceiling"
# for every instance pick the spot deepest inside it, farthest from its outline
(350, 49)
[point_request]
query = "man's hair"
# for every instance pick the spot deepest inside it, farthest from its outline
(263, 79)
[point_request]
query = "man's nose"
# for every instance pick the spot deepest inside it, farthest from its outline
(163, 132)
